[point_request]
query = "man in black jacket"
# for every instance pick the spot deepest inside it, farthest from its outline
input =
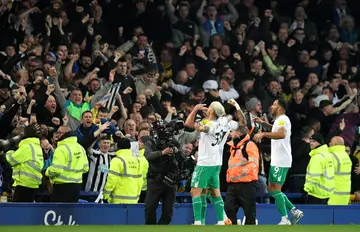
(159, 186)
(301, 158)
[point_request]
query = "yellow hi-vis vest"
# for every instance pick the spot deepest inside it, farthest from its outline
(145, 167)
(124, 180)
(27, 162)
(320, 173)
(69, 163)
(342, 168)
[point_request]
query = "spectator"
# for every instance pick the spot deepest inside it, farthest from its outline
(99, 165)
(79, 68)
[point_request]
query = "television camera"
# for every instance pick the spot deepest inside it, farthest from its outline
(163, 135)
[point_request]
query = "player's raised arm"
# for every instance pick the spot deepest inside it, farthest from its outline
(239, 113)
(190, 120)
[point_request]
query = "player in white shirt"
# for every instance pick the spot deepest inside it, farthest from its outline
(214, 131)
(281, 160)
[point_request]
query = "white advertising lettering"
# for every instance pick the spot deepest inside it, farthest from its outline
(51, 219)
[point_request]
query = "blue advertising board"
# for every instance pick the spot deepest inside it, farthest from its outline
(108, 214)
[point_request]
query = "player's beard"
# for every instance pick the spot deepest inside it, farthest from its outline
(274, 113)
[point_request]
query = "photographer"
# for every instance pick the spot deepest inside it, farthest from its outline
(161, 152)
(11, 142)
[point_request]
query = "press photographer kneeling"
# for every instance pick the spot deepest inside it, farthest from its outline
(165, 170)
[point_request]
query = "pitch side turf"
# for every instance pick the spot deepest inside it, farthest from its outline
(176, 228)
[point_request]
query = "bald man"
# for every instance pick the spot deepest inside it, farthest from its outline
(182, 77)
(342, 171)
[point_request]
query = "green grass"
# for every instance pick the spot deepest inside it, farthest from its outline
(260, 228)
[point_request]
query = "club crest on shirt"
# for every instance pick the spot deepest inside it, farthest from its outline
(103, 168)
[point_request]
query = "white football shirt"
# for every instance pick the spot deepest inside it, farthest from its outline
(211, 144)
(281, 148)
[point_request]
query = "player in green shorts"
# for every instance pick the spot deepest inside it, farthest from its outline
(213, 135)
(206, 177)
(277, 175)
(281, 160)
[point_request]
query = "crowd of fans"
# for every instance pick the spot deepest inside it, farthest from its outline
(114, 67)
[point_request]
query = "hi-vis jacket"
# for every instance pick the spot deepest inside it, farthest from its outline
(144, 167)
(243, 169)
(124, 181)
(69, 162)
(27, 162)
(342, 168)
(320, 173)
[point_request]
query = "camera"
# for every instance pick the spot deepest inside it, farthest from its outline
(163, 134)
(8, 143)
(174, 164)
(189, 164)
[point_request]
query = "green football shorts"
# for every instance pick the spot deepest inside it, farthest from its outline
(206, 177)
(277, 175)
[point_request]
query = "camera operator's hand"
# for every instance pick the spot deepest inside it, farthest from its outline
(167, 151)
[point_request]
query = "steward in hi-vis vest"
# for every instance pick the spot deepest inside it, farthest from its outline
(27, 162)
(319, 182)
(124, 181)
(68, 166)
(342, 168)
(242, 175)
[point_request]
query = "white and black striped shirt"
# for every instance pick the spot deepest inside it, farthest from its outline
(115, 88)
(99, 167)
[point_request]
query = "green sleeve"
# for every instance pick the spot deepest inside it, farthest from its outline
(274, 70)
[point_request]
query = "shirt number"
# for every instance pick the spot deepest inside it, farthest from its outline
(219, 136)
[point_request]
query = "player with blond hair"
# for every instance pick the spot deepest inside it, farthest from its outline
(214, 131)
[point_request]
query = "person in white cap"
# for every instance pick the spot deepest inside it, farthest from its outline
(214, 131)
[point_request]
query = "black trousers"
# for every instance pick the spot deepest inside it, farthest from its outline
(24, 194)
(142, 197)
(316, 201)
(241, 195)
(66, 193)
(156, 191)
